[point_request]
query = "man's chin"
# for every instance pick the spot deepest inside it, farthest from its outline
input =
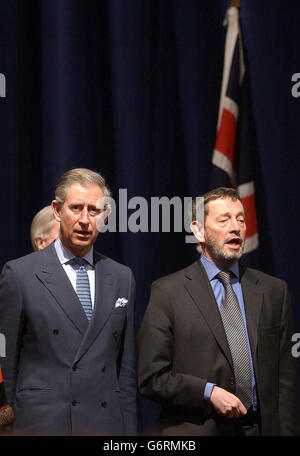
(79, 245)
(233, 256)
(226, 258)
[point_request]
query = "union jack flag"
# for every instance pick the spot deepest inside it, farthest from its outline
(233, 153)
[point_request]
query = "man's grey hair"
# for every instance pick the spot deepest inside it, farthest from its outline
(42, 224)
(82, 176)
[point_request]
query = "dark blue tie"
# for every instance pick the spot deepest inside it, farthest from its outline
(83, 287)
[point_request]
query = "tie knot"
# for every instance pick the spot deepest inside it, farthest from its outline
(77, 261)
(224, 277)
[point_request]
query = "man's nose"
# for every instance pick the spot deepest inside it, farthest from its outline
(84, 216)
(234, 225)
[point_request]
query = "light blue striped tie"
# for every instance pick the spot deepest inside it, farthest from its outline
(83, 287)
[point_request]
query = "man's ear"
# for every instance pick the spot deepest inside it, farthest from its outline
(198, 230)
(56, 209)
(39, 243)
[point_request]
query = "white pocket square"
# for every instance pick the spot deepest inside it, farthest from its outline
(121, 302)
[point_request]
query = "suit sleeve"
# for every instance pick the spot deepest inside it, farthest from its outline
(289, 406)
(11, 321)
(157, 379)
(127, 377)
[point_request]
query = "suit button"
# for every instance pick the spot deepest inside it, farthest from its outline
(115, 334)
(103, 404)
(103, 369)
(55, 332)
(74, 402)
(231, 381)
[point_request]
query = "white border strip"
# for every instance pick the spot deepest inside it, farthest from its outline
(231, 106)
(246, 189)
(221, 161)
(232, 21)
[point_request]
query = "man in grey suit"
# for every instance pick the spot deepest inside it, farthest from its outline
(68, 316)
(215, 342)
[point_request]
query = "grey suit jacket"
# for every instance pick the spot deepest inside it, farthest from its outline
(65, 375)
(182, 346)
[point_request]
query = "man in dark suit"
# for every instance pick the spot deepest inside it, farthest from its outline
(68, 316)
(215, 341)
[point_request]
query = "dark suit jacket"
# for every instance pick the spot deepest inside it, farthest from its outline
(182, 346)
(64, 375)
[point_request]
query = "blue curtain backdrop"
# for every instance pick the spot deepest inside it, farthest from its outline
(131, 88)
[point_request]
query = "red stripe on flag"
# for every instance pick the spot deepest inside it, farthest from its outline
(225, 141)
(1, 378)
(250, 218)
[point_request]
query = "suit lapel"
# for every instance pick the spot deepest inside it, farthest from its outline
(104, 290)
(57, 282)
(253, 299)
(200, 290)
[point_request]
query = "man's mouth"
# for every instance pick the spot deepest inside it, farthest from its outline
(83, 233)
(234, 242)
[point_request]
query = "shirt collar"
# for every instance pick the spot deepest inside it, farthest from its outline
(65, 255)
(212, 269)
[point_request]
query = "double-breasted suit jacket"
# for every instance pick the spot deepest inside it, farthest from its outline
(182, 346)
(65, 375)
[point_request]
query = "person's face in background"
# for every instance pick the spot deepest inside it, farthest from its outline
(43, 242)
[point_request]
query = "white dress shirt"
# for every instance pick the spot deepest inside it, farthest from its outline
(65, 255)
